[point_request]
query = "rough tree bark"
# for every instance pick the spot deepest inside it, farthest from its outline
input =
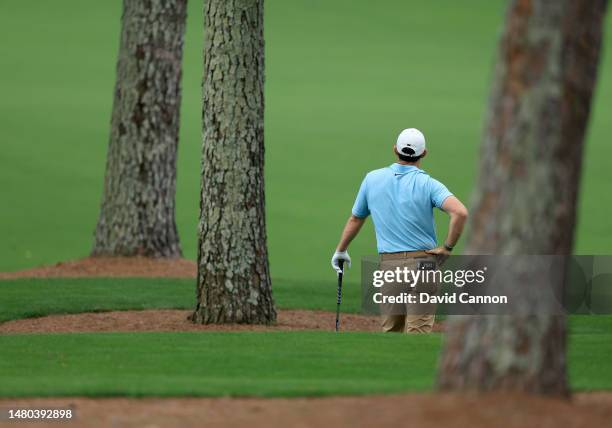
(138, 206)
(525, 201)
(233, 274)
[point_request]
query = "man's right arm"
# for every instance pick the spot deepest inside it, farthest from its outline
(351, 229)
(360, 212)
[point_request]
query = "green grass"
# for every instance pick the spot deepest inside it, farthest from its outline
(343, 77)
(28, 298)
(253, 364)
(260, 364)
(25, 298)
(590, 345)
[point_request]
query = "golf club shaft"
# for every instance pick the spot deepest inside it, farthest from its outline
(341, 265)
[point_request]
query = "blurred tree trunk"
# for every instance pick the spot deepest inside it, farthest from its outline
(233, 274)
(138, 206)
(525, 201)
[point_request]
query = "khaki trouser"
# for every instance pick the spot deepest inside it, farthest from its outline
(408, 318)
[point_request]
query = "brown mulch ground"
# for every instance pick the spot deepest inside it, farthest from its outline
(156, 320)
(176, 320)
(111, 267)
(410, 410)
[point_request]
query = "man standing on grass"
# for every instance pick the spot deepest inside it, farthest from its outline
(401, 198)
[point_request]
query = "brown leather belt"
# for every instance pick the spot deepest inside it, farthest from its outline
(404, 255)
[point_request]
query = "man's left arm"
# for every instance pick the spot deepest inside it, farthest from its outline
(458, 216)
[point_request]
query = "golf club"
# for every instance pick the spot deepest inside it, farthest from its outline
(341, 264)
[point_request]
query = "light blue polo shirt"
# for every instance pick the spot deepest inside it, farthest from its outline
(401, 199)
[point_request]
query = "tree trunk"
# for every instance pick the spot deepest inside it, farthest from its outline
(138, 207)
(525, 201)
(233, 274)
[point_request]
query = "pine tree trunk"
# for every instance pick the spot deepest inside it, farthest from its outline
(138, 206)
(525, 201)
(233, 274)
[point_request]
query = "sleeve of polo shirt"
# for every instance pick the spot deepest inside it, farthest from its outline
(439, 193)
(360, 208)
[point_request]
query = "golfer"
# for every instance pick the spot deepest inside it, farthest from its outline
(401, 198)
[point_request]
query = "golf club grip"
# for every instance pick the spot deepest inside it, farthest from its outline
(341, 265)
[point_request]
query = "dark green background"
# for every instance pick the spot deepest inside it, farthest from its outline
(343, 78)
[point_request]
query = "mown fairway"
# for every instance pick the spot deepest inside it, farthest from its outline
(26, 298)
(343, 77)
(212, 364)
(260, 364)
(269, 364)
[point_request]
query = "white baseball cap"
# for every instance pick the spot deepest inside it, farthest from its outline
(410, 142)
